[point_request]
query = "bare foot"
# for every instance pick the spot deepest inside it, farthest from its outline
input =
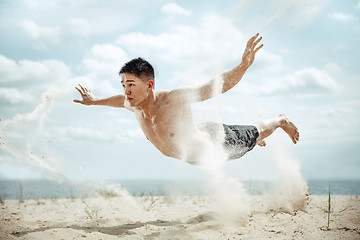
(289, 128)
(261, 143)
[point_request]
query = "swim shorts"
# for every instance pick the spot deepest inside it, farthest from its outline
(238, 139)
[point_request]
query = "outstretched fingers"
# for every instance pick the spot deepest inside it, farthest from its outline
(78, 101)
(251, 42)
(258, 48)
(251, 45)
(257, 41)
(82, 92)
(82, 88)
(254, 37)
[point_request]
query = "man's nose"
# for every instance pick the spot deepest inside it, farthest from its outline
(127, 92)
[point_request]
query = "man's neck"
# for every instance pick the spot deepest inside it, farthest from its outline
(149, 106)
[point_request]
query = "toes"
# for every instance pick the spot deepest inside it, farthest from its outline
(292, 131)
(294, 139)
(296, 136)
(261, 143)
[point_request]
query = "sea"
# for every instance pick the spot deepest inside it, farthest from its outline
(50, 189)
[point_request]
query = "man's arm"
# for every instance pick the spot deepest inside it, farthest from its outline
(230, 79)
(234, 76)
(89, 99)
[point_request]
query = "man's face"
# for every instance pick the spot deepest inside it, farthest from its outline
(135, 89)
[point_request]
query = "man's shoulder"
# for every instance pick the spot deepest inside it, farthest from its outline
(169, 96)
(185, 93)
(162, 92)
(163, 95)
(172, 95)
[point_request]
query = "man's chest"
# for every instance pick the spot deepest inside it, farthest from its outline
(164, 123)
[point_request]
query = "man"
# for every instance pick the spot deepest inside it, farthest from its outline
(166, 118)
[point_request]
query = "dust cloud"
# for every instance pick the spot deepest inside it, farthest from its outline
(22, 141)
(230, 201)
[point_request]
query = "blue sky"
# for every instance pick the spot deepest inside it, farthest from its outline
(307, 69)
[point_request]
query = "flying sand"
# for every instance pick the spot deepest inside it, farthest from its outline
(166, 116)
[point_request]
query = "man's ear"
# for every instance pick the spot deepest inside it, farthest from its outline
(150, 84)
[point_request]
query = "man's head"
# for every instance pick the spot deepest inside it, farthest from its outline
(140, 68)
(137, 79)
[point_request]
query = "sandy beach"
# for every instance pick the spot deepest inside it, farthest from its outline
(174, 217)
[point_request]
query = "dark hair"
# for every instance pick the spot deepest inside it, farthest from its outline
(139, 67)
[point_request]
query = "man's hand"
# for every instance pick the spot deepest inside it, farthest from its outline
(250, 51)
(87, 97)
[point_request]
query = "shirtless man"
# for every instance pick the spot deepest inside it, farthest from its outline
(166, 118)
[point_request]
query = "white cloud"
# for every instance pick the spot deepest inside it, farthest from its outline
(52, 21)
(107, 52)
(174, 9)
(102, 64)
(183, 43)
(305, 82)
(134, 133)
(306, 15)
(342, 16)
(198, 48)
(340, 47)
(44, 35)
(79, 26)
(83, 132)
(296, 14)
(23, 81)
(98, 132)
(332, 68)
(358, 5)
(46, 71)
(14, 96)
(198, 53)
(34, 4)
(13, 129)
(341, 117)
(337, 112)
(269, 62)
(84, 81)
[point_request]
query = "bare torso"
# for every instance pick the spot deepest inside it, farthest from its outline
(170, 125)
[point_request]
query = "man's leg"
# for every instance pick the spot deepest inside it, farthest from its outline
(267, 127)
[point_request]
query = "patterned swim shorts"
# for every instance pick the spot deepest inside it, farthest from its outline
(238, 139)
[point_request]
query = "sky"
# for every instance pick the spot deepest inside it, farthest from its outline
(307, 69)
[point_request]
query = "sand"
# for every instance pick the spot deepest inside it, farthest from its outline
(170, 217)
